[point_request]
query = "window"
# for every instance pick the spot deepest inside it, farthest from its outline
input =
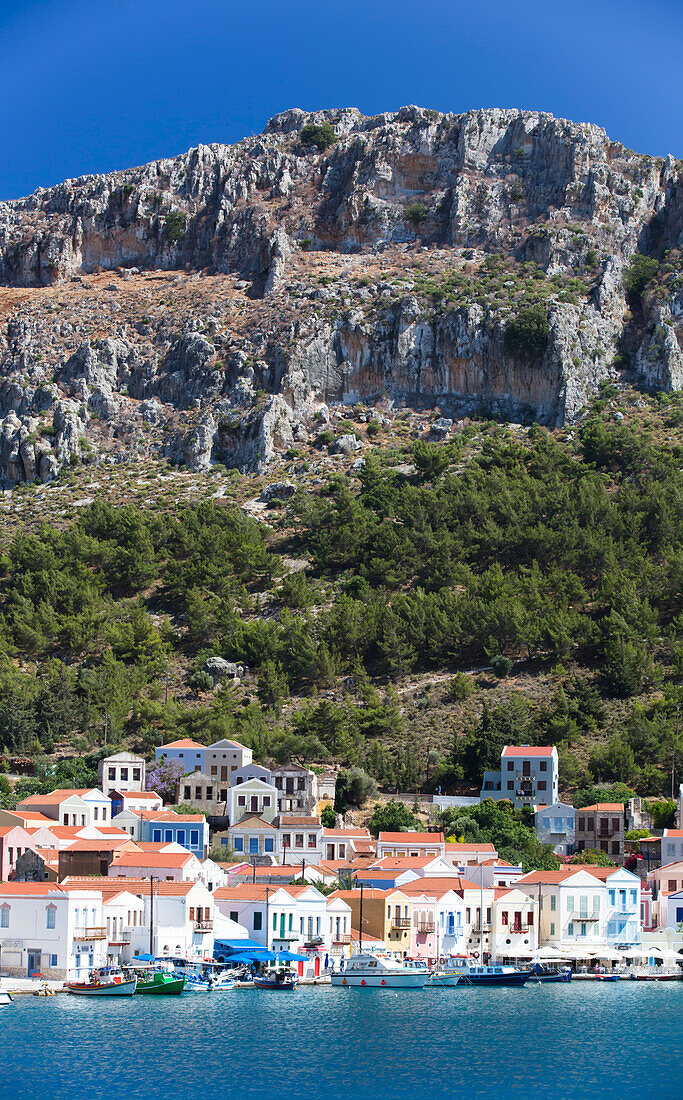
(266, 800)
(541, 784)
(168, 836)
(671, 885)
(511, 785)
(342, 851)
(234, 915)
(53, 960)
(612, 897)
(4, 916)
(570, 902)
(510, 765)
(253, 845)
(198, 792)
(209, 794)
(214, 769)
(274, 922)
(51, 916)
(224, 795)
(241, 800)
(156, 835)
(124, 773)
(312, 840)
(187, 792)
(258, 922)
(269, 844)
(582, 825)
(596, 903)
(504, 917)
(634, 897)
(192, 912)
(570, 929)
(583, 929)
(546, 822)
(615, 847)
(112, 773)
(615, 824)
(180, 836)
(552, 929)
(530, 918)
(286, 840)
(543, 766)
(298, 840)
(194, 838)
(557, 824)
(136, 774)
(238, 843)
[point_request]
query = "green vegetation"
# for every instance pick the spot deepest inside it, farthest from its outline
(416, 213)
(322, 137)
(638, 274)
(175, 226)
(498, 823)
(526, 335)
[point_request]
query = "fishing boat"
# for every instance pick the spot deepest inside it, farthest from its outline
(540, 973)
(444, 977)
(159, 982)
(284, 980)
(5, 998)
(104, 983)
(380, 970)
(488, 975)
(609, 977)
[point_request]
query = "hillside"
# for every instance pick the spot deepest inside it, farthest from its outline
(385, 410)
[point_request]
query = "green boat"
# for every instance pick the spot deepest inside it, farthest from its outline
(159, 981)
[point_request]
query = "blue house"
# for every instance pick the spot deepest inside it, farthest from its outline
(168, 827)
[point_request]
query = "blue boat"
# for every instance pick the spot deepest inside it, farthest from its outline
(541, 973)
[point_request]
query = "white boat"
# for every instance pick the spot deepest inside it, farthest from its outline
(5, 999)
(380, 971)
(444, 977)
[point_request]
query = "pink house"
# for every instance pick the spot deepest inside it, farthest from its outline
(14, 840)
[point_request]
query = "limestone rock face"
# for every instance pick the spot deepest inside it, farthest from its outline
(212, 307)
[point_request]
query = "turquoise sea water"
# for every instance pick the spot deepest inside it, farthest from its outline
(603, 1041)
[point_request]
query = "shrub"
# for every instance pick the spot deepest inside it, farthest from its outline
(306, 244)
(502, 666)
(320, 136)
(373, 428)
(200, 681)
(459, 688)
(638, 274)
(175, 226)
(526, 336)
(416, 213)
(328, 817)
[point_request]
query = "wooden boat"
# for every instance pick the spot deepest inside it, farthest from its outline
(160, 982)
(374, 971)
(608, 977)
(493, 975)
(283, 980)
(97, 988)
(541, 973)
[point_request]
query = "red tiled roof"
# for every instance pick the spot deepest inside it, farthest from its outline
(151, 859)
(674, 833)
(254, 891)
(183, 743)
(527, 750)
(105, 843)
(54, 798)
(411, 838)
(17, 889)
(603, 807)
(307, 822)
(454, 847)
(166, 815)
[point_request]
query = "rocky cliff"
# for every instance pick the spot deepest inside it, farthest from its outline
(209, 308)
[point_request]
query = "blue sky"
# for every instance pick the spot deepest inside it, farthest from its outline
(94, 85)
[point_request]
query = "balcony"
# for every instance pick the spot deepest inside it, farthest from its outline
(341, 938)
(86, 935)
(313, 941)
(201, 926)
(517, 928)
(289, 934)
(426, 927)
(120, 939)
(580, 915)
(399, 923)
(476, 927)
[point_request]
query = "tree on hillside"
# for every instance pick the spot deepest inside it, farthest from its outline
(392, 817)
(592, 857)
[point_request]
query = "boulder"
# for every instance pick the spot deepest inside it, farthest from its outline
(346, 445)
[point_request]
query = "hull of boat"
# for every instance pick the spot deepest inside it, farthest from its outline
(164, 989)
(386, 981)
(284, 987)
(110, 989)
(5, 999)
(443, 981)
(608, 977)
(557, 976)
(496, 979)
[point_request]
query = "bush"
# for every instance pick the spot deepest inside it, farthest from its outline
(175, 226)
(459, 688)
(328, 817)
(502, 666)
(638, 274)
(393, 817)
(320, 136)
(416, 213)
(526, 335)
(200, 681)
(353, 788)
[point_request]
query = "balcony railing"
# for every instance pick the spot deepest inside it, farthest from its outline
(288, 934)
(400, 922)
(119, 939)
(313, 941)
(516, 928)
(88, 934)
(339, 938)
(203, 926)
(580, 915)
(425, 926)
(476, 927)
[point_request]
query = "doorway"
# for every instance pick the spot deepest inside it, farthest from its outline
(34, 963)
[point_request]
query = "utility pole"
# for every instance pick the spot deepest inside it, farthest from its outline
(267, 926)
(673, 754)
(106, 718)
(151, 914)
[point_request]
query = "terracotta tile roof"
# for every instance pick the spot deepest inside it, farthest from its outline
(138, 886)
(19, 889)
(562, 873)
(676, 833)
(254, 891)
(370, 894)
(139, 794)
(55, 797)
(411, 838)
(31, 815)
(452, 848)
(287, 822)
(433, 882)
(151, 859)
(343, 834)
(183, 743)
(104, 844)
(603, 807)
(406, 863)
(527, 750)
(166, 815)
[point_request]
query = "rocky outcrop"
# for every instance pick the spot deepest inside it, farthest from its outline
(247, 378)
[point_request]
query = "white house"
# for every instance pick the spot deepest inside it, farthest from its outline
(135, 801)
(528, 776)
(671, 912)
(410, 844)
(88, 806)
(183, 920)
(573, 908)
(123, 912)
(556, 825)
(514, 933)
(672, 845)
(622, 923)
(279, 917)
(341, 844)
(254, 796)
(123, 771)
(174, 866)
(50, 932)
(224, 758)
(300, 839)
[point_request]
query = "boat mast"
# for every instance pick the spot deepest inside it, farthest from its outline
(151, 914)
(360, 922)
